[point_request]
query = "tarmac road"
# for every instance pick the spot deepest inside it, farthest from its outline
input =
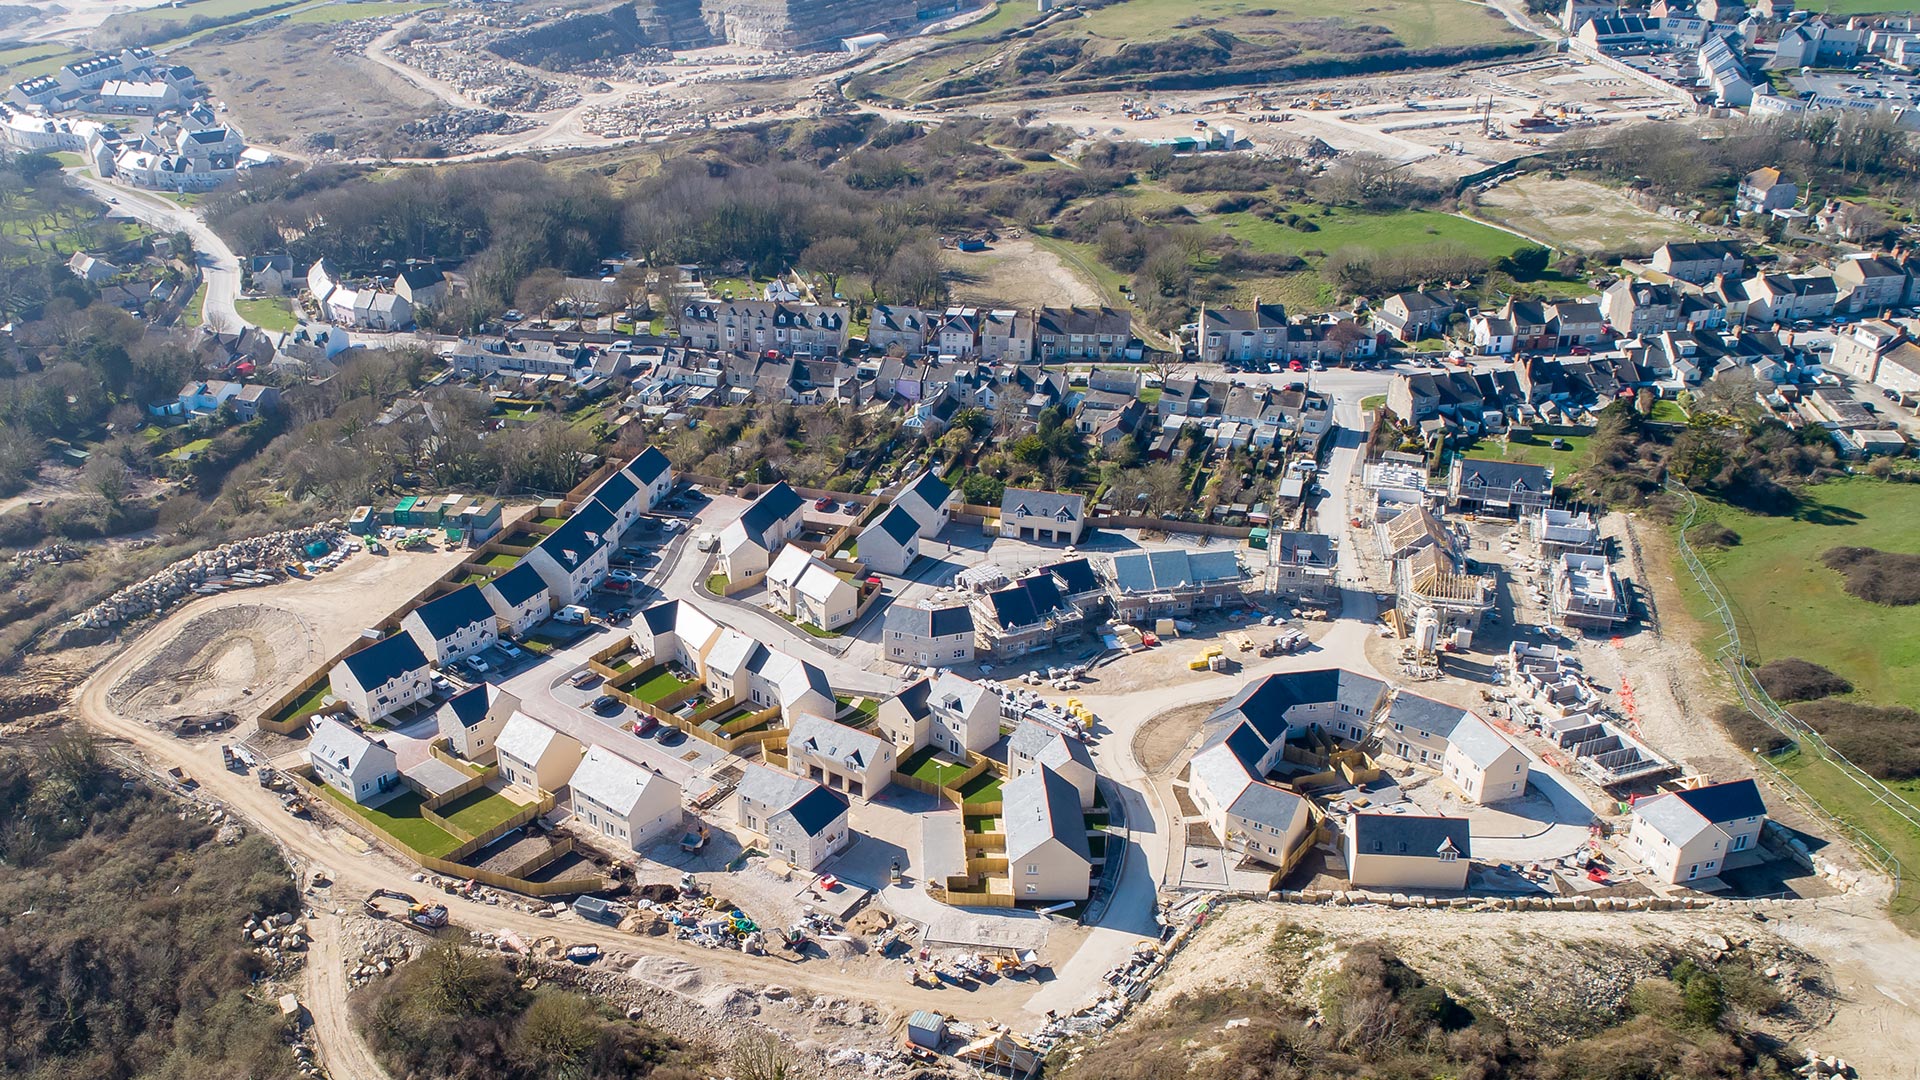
(219, 267)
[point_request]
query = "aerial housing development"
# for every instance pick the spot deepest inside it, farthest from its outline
(838, 540)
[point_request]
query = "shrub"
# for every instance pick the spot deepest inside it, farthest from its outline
(1713, 534)
(1749, 732)
(1882, 577)
(1883, 741)
(1794, 679)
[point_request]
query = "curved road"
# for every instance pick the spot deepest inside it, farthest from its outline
(219, 267)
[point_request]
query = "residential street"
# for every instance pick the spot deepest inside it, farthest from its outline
(219, 267)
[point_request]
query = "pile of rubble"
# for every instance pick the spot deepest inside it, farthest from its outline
(55, 552)
(650, 113)
(486, 79)
(256, 560)
(793, 66)
(1817, 1067)
(279, 940)
(457, 129)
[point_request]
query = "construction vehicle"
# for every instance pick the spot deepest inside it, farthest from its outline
(694, 840)
(421, 916)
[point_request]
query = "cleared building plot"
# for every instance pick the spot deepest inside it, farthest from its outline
(1580, 214)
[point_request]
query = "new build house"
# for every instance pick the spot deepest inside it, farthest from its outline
(627, 803)
(929, 500)
(382, 678)
(1475, 757)
(892, 542)
(1305, 565)
(1048, 857)
(1033, 745)
(843, 758)
(1407, 851)
(520, 598)
(345, 759)
(1587, 595)
(471, 721)
(453, 627)
(1498, 486)
(809, 591)
(1044, 516)
(797, 819)
(572, 559)
(730, 663)
(748, 544)
(929, 636)
(534, 755)
(947, 712)
(1687, 835)
(1162, 584)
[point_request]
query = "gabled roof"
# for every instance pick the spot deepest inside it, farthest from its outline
(454, 612)
(789, 566)
(583, 533)
(1424, 714)
(613, 781)
(817, 810)
(774, 505)
(1075, 576)
(1304, 548)
(1040, 806)
(914, 698)
(791, 676)
(470, 706)
(1409, 835)
(341, 746)
(1270, 805)
(820, 737)
(649, 465)
(1478, 741)
(385, 660)
(519, 584)
(1024, 502)
(899, 525)
(1027, 601)
(616, 491)
(930, 489)
(1164, 571)
(526, 739)
(1733, 800)
(1264, 703)
(925, 622)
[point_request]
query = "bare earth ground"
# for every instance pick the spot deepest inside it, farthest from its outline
(1018, 272)
(1579, 214)
(199, 659)
(279, 102)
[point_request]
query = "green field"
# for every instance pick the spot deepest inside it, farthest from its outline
(267, 313)
(1789, 604)
(1340, 227)
(1667, 411)
(399, 817)
(38, 58)
(1541, 452)
(1863, 7)
(305, 703)
(190, 315)
(479, 811)
(1418, 24)
(348, 12)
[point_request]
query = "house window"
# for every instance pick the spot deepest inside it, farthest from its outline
(1449, 855)
(1032, 888)
(1033, 868)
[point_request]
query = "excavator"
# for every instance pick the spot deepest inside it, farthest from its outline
(424, 916)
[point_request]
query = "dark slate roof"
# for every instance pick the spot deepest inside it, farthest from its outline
(1731, 801)
(584, 533)
(469, 706)
(1075, 574)
(1026, 601)
(1505, 475)
(818, 809)
(932, 490)
(1411, 835)
(774, 505)
(1317, 547)
(663, 617)
(1424, 714)
(380, 662)
(1268, 804)
(420, 277)
(455, 611)
(1047, 504)
(519, 584)
(914, 696)
(616, 490)
(930, 622)
(1265, 703)
(650, 465)
(900, 525)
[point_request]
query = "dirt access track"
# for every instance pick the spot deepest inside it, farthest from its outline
(203, 658)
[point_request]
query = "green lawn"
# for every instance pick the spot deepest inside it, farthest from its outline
(190, 315)
(500, 560)
(864, 712)
(69, 159)
(550, 522)
(717, 584)
(187, 450)
(1789, 604)
(39, 58)
(1149, 396)
(267, 313)
(1417, 23)
(399, 817)
(478, 811)
(1373, 401)
(815, 631)
(1340, 228)
(924, 766)
(1541, 452)
(657, 685)
(984, 788)
(305, 703)
(1011, 13)
(982, 823)
(1667, 411)
(374, 9)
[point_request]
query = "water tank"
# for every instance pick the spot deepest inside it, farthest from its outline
(1426, 630)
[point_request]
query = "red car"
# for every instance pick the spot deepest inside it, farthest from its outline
(1296, 366)
(1580, 350)
(823, 505)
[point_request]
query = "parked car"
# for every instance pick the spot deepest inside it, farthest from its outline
(622, 575)
(823, 504)
(478, 665)
(645, 726)
(583, 677)
(606, 704)
(1579, 350)
(514, 652)
(441, 684)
